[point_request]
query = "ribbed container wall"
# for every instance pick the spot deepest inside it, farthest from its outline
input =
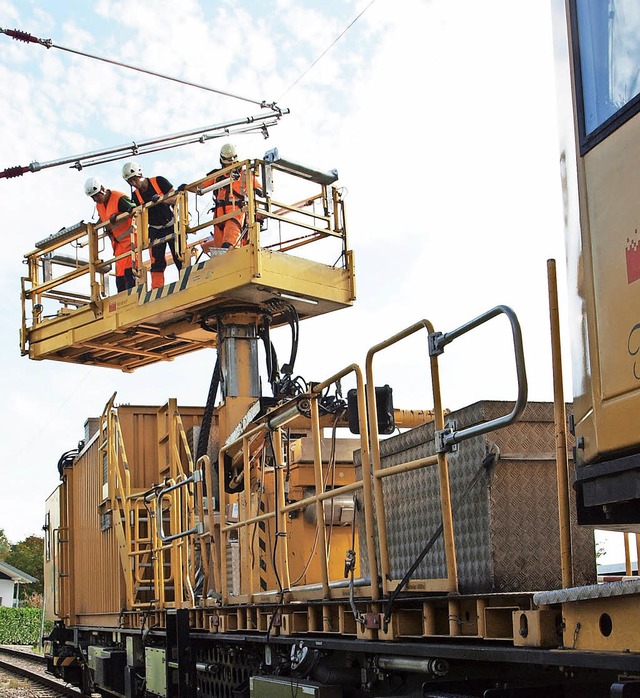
(97, 583)
(98, 592)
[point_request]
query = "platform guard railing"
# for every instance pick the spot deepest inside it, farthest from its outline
(381, 583)
(61, 575)
(71, 269)
(446, 437)
(278, 511)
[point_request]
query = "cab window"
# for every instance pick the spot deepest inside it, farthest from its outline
(607, 65)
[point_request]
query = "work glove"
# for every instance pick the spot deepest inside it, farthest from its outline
(112, 218)
(225, 245)
(155, 198)
(182, 187)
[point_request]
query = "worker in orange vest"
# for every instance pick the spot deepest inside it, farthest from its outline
(110, 204)
(161, 220)
(230, 198)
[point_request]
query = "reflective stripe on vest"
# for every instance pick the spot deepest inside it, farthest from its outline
(121, 230)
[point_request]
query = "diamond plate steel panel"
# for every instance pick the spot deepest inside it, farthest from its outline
(506, 526)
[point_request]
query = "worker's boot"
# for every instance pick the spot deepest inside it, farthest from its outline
(157, 279)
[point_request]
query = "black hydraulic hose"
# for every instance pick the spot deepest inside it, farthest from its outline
(273, 371)
(270, 352)
(294, 323)
(66, 459)
(389, 607)
(207, 417)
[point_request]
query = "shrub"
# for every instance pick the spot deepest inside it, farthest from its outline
(20, 626)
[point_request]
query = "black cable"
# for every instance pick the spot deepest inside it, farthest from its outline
(275, 508)
(264, 333)
(294, 322)
(323, 54)
(48, 43)
(286, 386)
(207, 417)
(66, 460)
(282, 590)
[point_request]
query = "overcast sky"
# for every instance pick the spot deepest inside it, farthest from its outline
(439, 115)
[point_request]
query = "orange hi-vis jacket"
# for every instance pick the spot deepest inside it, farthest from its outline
(230, 199)
(123, 235)
(154, 183)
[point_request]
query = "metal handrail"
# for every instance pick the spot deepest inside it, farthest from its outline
(450, 582)
(274, 424)
(195, 477)
(446, 437)
(303, 227)
(437, 341)
(58, 590)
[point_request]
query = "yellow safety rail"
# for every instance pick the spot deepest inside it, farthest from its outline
(450, 583)
(118, 487)
(61, 566)
(446, 437)
(188, 536)
(293, 249)
(278, 511)
(154, 527)
(373, 524)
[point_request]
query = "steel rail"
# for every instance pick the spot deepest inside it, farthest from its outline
(34, 675)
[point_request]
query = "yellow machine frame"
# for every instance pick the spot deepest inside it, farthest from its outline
(70, 316)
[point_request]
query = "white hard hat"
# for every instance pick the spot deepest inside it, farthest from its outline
(92, 186)
(131, 169)
(228, 153)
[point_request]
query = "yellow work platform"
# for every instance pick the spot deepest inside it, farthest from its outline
(72, 317)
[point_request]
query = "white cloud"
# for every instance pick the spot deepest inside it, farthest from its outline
(439, 118)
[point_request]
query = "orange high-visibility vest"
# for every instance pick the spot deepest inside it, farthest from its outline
(230, 199)
(154, 183)
(122, 235)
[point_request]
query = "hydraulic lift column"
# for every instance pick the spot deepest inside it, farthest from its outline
(239, 374)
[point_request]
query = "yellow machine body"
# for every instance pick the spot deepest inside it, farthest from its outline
(296, 254)
(602, 214)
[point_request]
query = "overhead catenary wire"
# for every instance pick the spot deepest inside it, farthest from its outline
(101, 157)
(257, 122)
(324, 53)
(19, 35)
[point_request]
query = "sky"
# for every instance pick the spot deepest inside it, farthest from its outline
(440, 118)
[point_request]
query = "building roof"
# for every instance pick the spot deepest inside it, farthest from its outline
(15, 574)
(618, 568)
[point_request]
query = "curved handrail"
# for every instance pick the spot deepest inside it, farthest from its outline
(448, 437)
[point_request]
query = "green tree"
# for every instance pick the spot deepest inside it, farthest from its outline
(27, 556)
(5, 546)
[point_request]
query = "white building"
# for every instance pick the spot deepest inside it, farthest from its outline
(10, 581)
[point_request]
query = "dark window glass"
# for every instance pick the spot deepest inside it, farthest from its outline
(609, 45)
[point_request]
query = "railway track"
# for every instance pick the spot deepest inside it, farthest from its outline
(22, 675)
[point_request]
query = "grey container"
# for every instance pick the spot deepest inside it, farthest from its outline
(506, 526)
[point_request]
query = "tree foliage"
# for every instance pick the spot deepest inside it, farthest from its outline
(27, 556)
(5, 546)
